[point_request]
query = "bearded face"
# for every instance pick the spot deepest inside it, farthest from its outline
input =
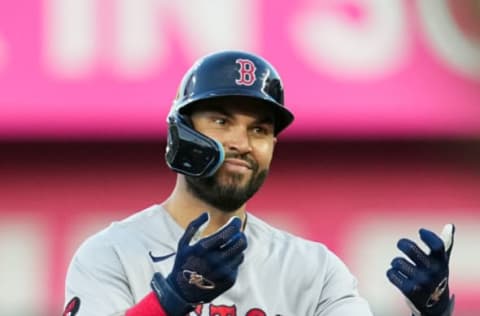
(227, 190)
(245, 129)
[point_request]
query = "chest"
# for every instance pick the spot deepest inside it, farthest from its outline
(275, 284)
(259, 293)
(270, 287)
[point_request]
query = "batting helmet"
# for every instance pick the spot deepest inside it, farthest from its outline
(223, 74)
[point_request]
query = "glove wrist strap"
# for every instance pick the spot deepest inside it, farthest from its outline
(173, 304)
(447, 312)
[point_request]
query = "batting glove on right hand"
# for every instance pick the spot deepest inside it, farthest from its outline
(425, 282)
(203, 269)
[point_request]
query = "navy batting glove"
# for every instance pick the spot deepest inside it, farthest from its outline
(203, 269)
(425, 281)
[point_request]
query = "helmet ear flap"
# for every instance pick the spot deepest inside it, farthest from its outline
(190, 152)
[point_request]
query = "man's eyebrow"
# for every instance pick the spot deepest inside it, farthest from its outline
(267, 119)
(218, 109)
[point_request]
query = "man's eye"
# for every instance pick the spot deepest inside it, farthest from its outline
(260, 130)
(219, 121)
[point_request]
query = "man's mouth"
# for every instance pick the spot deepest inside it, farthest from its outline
(238, 165)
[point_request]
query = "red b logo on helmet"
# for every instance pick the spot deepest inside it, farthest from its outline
(247, 72)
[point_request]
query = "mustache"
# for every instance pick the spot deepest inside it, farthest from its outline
(245, 157)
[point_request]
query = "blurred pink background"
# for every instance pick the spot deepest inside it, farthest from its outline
(386, 138)
(110, 69)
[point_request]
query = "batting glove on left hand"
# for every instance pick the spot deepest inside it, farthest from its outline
(425, 282)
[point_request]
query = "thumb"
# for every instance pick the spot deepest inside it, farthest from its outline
(447, 237)
(193, 229)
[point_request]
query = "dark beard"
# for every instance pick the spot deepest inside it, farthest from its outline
(227, 198)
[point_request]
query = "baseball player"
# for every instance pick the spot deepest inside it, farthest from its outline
(201, 253)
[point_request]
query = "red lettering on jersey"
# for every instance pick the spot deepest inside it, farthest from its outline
(198, 310)
(223, 310)
(247, 72)
(255, 312)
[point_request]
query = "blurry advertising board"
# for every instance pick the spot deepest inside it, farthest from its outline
(110, 69)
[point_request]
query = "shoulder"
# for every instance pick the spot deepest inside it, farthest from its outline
(103, 244)
(259, 229)
(139, 219)
(295, 251)
(311, 259)
(284, 243)
(303, 263)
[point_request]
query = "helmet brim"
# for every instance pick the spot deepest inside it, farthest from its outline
(282, 116)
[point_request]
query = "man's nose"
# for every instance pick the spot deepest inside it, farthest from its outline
(238, 140)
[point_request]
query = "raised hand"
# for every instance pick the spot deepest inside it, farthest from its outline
(203, 268)
(424, 280)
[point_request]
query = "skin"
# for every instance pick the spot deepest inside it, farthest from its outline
(245, 129)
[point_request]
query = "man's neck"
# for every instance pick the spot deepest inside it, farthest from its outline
(184, 207)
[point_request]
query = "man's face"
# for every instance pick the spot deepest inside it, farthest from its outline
(246, 132)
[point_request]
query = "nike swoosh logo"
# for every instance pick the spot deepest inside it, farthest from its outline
(161, 258)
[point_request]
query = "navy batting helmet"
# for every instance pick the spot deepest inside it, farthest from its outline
(219, 75)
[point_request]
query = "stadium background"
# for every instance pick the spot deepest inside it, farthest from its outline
(386, 138)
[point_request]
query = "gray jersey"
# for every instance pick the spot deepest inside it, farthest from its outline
(282, 274)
